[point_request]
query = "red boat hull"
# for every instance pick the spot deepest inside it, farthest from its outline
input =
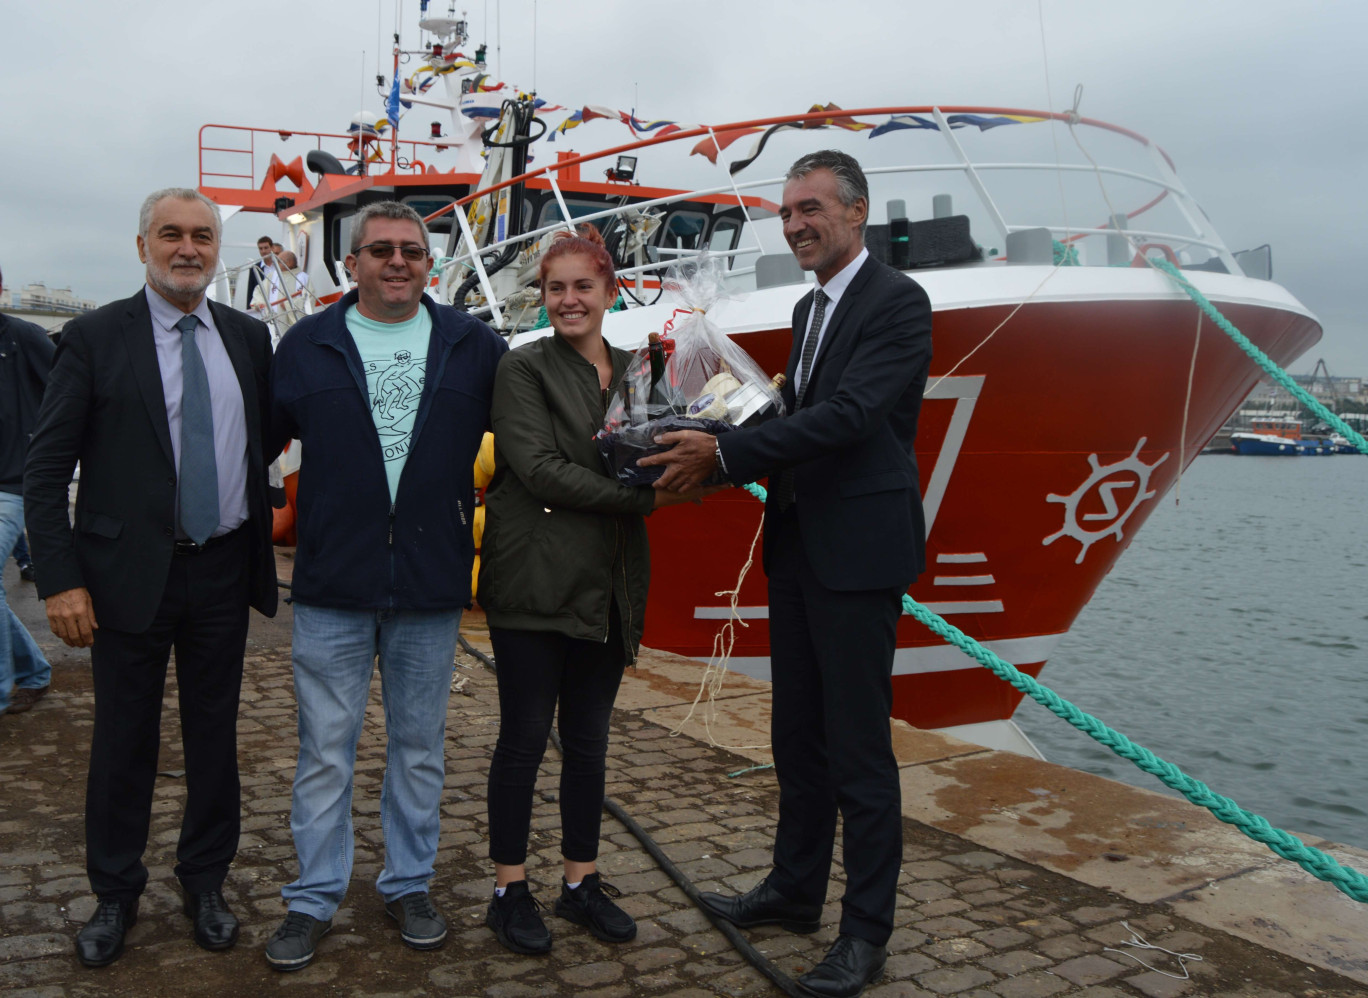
(1040, 457)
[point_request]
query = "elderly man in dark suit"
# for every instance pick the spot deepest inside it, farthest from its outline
(844, 538)
(162, 399)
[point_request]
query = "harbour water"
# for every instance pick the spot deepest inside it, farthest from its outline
(1231, 639)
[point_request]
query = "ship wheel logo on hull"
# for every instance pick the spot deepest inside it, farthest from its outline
(1113, 483)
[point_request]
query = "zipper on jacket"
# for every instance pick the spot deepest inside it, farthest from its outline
(627, 598)
(617, 543)
(391, 525)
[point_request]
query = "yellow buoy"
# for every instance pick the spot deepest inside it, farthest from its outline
(478, 525)
(484, 464)
(475, 576)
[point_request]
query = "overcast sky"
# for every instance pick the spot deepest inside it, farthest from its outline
(1263, 105)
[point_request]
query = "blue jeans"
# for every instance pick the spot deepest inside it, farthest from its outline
(334, 654)
(21, 660)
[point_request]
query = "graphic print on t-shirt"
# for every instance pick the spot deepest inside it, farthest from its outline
(396, 386)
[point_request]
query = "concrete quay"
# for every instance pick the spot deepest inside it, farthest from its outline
(1020, 879)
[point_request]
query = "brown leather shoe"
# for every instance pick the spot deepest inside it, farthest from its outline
(23, 698)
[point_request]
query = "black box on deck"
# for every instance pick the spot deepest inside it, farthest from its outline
(931, 242)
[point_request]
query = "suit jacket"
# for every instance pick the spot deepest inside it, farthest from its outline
(25, 362)
(104, 407)
(856, 486)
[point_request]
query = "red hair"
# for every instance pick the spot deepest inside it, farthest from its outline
(587, 241)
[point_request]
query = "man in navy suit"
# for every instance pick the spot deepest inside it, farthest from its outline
(844, 538)
(162, 399)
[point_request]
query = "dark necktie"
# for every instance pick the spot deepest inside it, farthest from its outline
(782, 483)
(198, 479)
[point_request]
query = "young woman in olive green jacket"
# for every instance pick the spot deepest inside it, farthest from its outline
(563, 577)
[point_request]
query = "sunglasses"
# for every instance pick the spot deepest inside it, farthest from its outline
(383, 251)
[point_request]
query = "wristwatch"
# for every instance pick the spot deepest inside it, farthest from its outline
(717, 453)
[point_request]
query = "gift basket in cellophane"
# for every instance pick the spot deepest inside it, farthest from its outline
(698, 379)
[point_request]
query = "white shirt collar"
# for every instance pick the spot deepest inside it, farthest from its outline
(167, 315)
(836, 287)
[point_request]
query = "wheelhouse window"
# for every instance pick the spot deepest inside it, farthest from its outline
(724, 237)
(684, 230)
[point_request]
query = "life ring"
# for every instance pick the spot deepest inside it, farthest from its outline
(1143, 248)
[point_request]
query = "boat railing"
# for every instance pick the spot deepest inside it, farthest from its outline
(1165, 182)
(354, 151)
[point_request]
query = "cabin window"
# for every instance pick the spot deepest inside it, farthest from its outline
(551, 211)
(724, 237)
(425, 206)
(684, 230)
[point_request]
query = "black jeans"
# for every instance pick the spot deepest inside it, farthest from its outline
(537, 670)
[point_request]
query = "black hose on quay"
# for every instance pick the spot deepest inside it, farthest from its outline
(742, 945)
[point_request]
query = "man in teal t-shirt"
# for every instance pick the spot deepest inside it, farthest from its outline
(335, 648)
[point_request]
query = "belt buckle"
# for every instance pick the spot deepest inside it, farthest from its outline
(187, 547)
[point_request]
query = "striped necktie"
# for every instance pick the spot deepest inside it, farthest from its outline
(198, 501)
(782, 482)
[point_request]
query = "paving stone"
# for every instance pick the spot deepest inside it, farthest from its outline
(929, 870)
(956, 950)
(953, 980)
(592, 974)
(905, 965)
(1040, 984)
(32, 947)
(1050, 925)
(1097, 915)
(1156, 985)
(946, 928)
(977, 860)
(1066, 947)
(1003, 937)
(1016, 962)
(928, 890)
(654, 958)
(1091, 969)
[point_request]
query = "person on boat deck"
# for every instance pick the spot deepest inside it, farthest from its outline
(382, 566)
(262, 272)
(563, 577)
(844, 538)
(291, 289)
(162, 399)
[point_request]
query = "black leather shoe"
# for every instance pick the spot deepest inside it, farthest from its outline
(850, 966)
(101, 940)
(763, 905)
(216, 927)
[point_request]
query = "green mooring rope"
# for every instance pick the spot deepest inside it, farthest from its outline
(1262, 359)
(1286, 845)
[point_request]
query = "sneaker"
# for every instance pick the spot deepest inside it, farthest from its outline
(26, 572)
(293, 945)
(515, 921)
(421, 925)
(23, 698)
(590, 904)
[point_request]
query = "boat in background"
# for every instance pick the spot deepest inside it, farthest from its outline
(1270, 436)
(1065, 396)
(1281, 435)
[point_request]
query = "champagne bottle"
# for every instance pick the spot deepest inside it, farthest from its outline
(751, 405)
(656, 349)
